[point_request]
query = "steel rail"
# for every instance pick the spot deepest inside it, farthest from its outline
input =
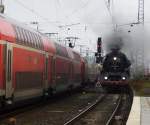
(27, 106)
(114, 112)
(85, 111)
(16, 110)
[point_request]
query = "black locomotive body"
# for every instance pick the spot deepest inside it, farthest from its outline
(116, 69)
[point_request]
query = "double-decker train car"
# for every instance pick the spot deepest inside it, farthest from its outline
(116, 69)
(90, 74)
(32, 65)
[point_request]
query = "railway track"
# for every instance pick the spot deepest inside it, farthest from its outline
(83, 108)
(87, 116)
(121, 115)
(109, 121)
(54, 112)
(116, 114)
(33, 103)
(85, 111)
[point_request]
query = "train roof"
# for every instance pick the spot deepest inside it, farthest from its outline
(16, 32)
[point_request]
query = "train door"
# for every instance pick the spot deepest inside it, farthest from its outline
(53, 73)
(9, 86)
(71, 73)
(46, 74)
(49, 73)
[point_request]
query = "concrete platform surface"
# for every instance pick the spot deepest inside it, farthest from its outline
(140, 111)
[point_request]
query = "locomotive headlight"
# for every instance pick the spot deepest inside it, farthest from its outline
(105, 77)
(123, 78)
(115, 58)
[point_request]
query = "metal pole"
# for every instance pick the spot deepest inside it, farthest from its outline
(141, 11)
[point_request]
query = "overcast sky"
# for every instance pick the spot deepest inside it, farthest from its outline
(52, 13)
(91, 17)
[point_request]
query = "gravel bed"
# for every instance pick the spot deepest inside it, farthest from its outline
(54, 113)
(100, 114)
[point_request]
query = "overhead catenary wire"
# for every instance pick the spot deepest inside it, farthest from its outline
(78, 9)
(107, 3)
(61, 9)
(46, 19)
(39, 15)
(109, 8)
(33, 11)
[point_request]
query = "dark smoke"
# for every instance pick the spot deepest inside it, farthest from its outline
(114, 41)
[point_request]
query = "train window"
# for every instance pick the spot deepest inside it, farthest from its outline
(64, 52)
(57, 49)
(46, 69)
(40, 42)
(61, 50)
(76, 56)
(25, 37)
(32, 39)
(28, 38)
(22, 36)
(18, 34)
(37, 41)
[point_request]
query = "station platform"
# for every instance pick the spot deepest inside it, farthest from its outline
(140, 111)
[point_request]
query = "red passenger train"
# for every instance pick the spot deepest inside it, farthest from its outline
(32, 65)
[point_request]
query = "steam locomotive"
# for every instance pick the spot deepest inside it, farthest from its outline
(116, 68)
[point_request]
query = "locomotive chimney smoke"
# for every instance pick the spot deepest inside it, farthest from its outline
(114, 42)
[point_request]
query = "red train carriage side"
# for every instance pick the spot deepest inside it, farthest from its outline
(84, 71)
(32, 65)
